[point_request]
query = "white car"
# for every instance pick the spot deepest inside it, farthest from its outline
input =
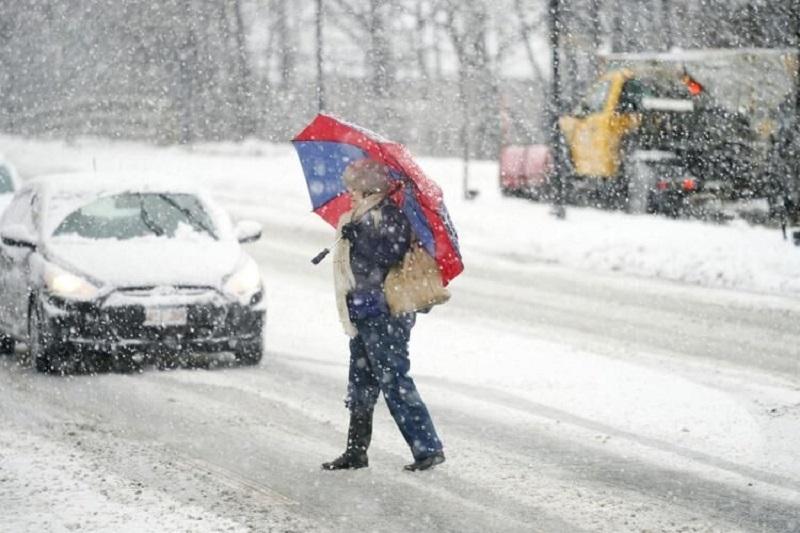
(9, 183)
(98, 268)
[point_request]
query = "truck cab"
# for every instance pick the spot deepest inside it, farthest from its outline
(707, 117)
(594, 130)
(652, 132)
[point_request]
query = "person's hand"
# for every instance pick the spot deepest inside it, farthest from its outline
(350, 231)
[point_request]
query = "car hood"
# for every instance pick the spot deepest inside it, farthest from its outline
(149, 262)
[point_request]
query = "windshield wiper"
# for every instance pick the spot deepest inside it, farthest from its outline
(157, 230)
(192, 217)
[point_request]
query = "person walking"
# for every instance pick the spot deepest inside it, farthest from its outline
(372, 238)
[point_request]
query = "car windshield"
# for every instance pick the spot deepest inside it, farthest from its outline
(130, 215)
(663, 87)
(595, 99)
(6, 185)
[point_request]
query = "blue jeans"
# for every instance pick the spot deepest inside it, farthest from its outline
(379, 364)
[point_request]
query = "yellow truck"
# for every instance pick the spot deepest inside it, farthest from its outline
(595, 128)
(657, 128)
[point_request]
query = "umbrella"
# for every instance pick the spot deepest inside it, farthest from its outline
(328, 145)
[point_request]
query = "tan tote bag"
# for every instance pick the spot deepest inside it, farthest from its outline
(415, 284)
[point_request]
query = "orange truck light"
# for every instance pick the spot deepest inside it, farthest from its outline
(694, 87)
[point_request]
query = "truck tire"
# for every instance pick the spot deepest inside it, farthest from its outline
(7, 345)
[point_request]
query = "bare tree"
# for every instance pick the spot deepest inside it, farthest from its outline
(243, 76)
(287, 50)
(366, 22)
(527, 29)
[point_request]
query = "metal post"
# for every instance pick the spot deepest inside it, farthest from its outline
(555, 109)
(320, 76)
(666, 7)
(462, 87)
(466, 123)
(616, 30)
(796, 16)
(792, 189)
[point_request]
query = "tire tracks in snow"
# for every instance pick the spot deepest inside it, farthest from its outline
(648, 472)
(266, 451)
(629, 487)
(452, 504)
(83, 416)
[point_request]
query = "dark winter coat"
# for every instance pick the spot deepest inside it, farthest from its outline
(380, 243)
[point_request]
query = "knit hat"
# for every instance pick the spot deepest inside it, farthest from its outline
(366, 176)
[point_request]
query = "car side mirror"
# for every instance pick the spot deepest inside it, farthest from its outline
(248, 231)
(580, 110)
(18, 235)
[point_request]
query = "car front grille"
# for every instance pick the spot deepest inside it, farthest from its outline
(122, 314)
(127, 322)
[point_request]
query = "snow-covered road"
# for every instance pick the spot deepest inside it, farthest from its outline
(568, 399)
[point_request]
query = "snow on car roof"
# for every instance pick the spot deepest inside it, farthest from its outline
(61, 194)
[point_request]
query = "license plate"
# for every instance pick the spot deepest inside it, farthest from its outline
(165, 316)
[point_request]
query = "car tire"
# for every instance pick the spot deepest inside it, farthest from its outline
(7, 345)
(251, 352)
(42, 354)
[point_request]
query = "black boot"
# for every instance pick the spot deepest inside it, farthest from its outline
(425, 463)
(358, 438)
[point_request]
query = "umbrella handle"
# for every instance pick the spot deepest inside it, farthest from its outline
(324, 253)
(320, 256)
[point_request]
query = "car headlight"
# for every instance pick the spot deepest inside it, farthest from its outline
(64, 284)
(245, 282)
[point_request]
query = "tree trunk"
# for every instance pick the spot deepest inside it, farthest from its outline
(244, 107)
(287, 49)
(525, 34)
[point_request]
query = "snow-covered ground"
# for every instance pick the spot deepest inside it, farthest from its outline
(605, 373)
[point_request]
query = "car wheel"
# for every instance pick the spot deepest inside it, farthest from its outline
(41, 351)
(7, 345)
(251, 352)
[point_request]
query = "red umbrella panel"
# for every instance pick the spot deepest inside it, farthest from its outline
(327, 146)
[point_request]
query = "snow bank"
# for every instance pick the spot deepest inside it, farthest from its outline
(734, 256)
